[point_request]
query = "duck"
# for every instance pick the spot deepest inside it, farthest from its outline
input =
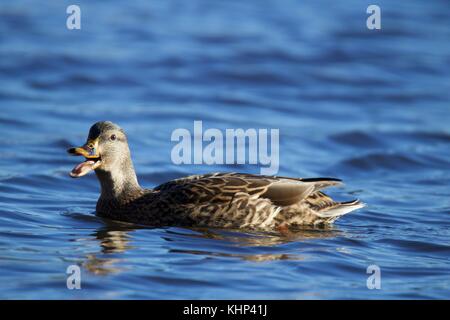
(216, 200)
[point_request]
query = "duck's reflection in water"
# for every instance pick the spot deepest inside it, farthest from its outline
(238, 239)
(115, 237)
(101, 266)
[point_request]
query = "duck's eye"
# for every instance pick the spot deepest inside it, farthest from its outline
(113, 137)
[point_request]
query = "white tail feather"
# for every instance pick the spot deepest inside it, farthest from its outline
(340, 210)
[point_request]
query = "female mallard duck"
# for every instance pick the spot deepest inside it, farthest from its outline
(230, 200)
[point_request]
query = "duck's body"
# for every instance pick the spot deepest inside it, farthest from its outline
(224, 200)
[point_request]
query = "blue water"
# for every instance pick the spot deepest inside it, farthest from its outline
(369, 107)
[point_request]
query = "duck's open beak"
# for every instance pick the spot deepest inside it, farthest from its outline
(93, 159)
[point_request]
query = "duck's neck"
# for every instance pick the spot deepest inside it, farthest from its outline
(120, 183)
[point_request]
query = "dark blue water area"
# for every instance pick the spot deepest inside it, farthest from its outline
(368, 106)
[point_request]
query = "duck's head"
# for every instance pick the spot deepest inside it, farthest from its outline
(106, 150)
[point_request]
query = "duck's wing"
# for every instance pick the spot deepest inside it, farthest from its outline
(223, 187)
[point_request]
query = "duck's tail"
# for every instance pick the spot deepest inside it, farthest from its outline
(339, 209)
